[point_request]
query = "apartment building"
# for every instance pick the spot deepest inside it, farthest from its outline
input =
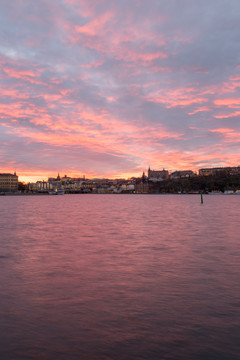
(8, 182)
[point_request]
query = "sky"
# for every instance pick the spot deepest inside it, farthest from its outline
(107, 88)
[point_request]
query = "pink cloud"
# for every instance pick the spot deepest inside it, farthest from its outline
(228, 115)
(31, 76)
(178, 97)
(227, 102)
(230, 134)
(93, 27)
(201, 109)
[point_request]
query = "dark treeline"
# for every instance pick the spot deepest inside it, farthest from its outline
(196, 184)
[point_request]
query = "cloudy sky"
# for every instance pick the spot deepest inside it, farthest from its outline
(106, 88)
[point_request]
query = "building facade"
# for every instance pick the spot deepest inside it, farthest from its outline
(157, 175)
(8, 182)
(220, 171)
(180, 174)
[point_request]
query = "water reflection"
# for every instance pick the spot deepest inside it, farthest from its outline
(119, 277)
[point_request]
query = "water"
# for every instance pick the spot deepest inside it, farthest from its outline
(119, 277)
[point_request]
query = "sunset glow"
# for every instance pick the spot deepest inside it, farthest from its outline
(107, 88)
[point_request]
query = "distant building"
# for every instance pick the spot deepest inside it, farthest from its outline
(157, 175)
(42, 186)
(220, 171)
(8, 182)
(210, 171)
(181, 174)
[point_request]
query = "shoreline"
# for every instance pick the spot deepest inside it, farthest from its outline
(95, 193)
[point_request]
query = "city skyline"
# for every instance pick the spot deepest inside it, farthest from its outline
(107, 88)
(147, 173)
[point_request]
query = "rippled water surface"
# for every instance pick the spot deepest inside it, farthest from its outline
(104, 277)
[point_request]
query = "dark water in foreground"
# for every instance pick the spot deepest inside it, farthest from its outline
(119, 277)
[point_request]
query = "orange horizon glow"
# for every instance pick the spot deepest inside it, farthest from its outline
(34, 176)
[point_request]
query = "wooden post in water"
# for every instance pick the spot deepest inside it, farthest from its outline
(201, 198)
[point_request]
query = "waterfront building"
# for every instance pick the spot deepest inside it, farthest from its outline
(142, 188)
(43, 186)
(8, 182)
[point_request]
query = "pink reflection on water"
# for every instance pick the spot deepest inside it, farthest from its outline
(119, 276)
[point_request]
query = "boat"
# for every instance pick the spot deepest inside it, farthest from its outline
(57, 192)
(60, 191)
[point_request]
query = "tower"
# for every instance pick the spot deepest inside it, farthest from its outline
(149, 172)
